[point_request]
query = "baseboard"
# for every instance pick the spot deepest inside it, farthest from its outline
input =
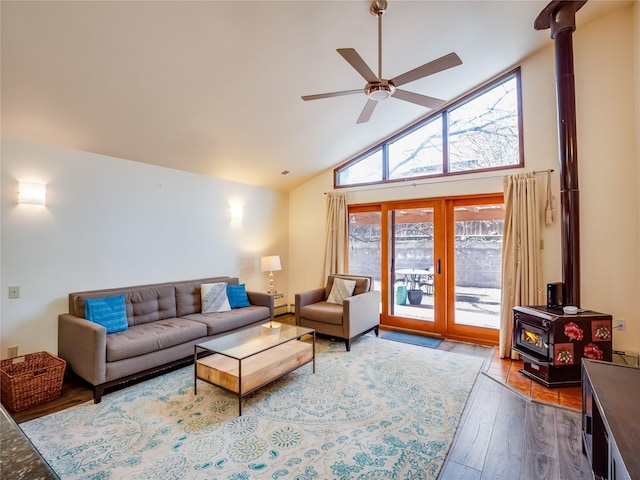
(280, 310)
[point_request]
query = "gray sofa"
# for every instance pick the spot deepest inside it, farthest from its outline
(164, 323)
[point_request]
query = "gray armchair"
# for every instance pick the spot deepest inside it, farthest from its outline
(358, 314)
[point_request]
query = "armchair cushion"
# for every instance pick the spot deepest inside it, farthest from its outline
(324, 312)
(363, 284)
(342, 288)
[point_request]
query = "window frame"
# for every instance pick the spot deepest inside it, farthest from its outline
(443, 113)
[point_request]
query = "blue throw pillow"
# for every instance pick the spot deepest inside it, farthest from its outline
(237, 296)
(110, 312)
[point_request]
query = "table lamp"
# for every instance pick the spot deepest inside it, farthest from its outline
(270, 264)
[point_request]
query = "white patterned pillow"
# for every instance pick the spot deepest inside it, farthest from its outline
(214, 297)
(340, 290)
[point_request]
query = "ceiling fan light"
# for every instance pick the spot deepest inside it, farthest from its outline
(380, 91)
(378, 95)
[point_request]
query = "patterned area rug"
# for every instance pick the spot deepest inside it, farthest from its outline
(385, 410)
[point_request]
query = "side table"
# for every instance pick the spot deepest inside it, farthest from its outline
(280, 306)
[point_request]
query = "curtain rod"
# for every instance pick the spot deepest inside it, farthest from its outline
(406, 184)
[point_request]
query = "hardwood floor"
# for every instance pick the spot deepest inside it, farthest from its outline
(510, 433)
(74, 392)
(503, 434)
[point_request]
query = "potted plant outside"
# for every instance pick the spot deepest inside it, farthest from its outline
(415, 296)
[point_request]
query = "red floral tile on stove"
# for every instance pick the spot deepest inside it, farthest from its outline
(563, 354)
(573, 331)
(601, 330)
(592, 351)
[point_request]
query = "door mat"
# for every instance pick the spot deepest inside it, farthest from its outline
(403, 337)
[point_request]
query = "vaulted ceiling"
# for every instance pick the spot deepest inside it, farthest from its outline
(214, 87)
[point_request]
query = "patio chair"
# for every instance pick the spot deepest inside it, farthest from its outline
(426, 283)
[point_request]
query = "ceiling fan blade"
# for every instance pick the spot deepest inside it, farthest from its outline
(368, 109)
(435, 66)
(333, 94)
(418, 99)
(356, 61)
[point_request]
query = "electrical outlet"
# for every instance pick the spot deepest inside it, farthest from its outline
(620, 324)
(12, 351)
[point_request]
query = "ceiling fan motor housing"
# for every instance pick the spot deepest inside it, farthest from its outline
(380, 90)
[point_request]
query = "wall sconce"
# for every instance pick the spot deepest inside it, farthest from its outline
(270, 264)
(236, 213)
(32, 193)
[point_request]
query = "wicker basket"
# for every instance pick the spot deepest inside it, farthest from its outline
(30, 380)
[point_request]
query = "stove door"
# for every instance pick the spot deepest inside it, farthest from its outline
(531, 337)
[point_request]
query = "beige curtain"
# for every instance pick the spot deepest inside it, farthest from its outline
(336, 234)
(521, 259)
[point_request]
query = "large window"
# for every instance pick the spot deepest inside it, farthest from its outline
(482, 131)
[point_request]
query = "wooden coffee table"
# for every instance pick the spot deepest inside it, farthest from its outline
(244, 360)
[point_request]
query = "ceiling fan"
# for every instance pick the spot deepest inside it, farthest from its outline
(378, 88)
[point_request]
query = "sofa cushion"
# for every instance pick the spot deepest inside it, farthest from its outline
(214, 297)
(323, 312)
(152, 304)
(150, 337)
(237, 295)
(144, 304)
(110, 312)
(188, 294)
(236, 318)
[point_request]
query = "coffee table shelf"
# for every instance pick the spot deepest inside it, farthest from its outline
(246, 360)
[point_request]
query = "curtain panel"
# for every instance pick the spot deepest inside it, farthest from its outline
(521, 255)
(336, 234)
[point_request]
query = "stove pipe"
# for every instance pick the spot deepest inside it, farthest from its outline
(560, 17)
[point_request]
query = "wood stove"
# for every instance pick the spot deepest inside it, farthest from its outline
(553, 343)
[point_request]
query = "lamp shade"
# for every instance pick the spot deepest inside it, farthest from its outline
(270, 264)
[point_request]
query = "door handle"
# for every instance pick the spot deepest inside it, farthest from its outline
(438, 267)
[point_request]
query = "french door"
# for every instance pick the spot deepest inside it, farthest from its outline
(414, 266)
(437, 263)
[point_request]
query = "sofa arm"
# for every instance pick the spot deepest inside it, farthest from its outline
(83, 344)
(361, 312)
(262, 299)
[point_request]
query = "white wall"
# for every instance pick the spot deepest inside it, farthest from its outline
(608, 173)
(110, 222)
(607, 152)
(307, 218)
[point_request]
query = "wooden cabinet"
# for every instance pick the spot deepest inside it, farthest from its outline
(611, 419)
